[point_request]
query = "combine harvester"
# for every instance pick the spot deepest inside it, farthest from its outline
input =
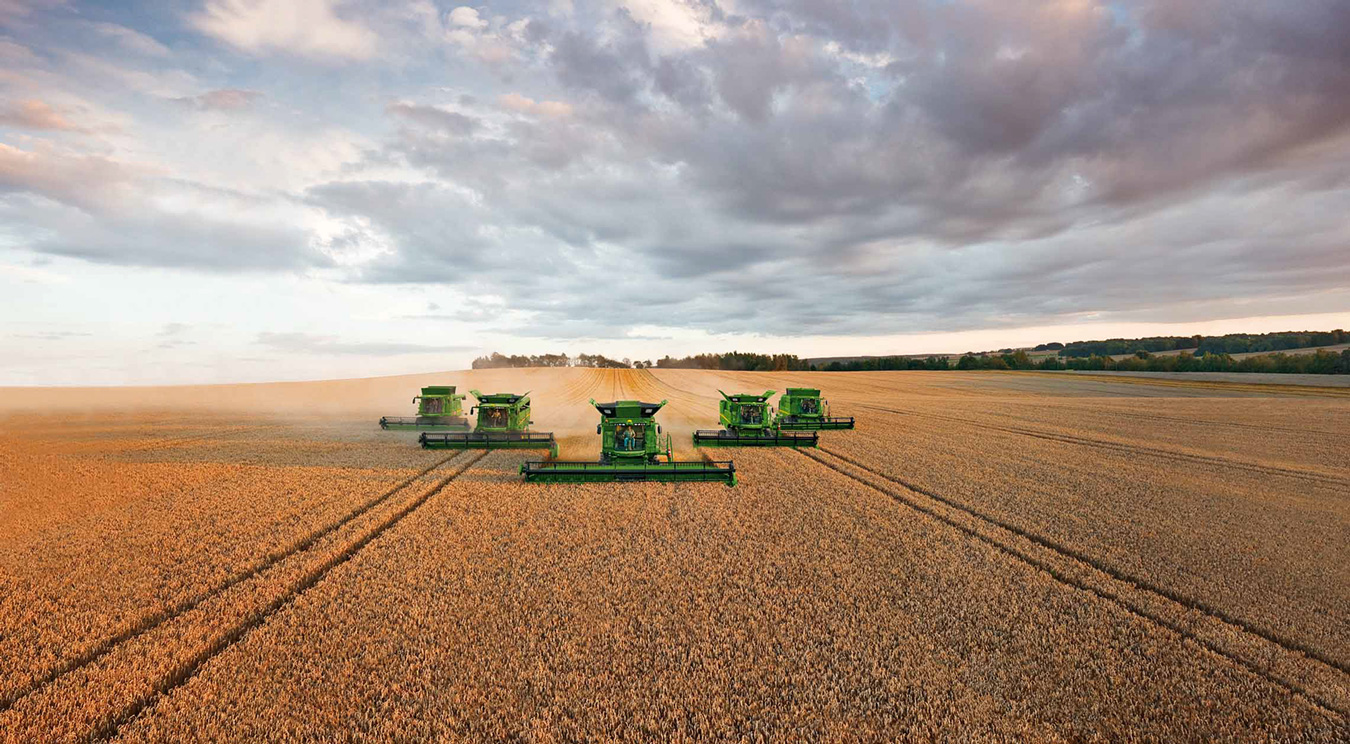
(631, 448)
(503, 423)
(438, 408)
(801, 409)
(748, 422)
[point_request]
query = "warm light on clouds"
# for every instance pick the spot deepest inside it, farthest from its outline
(34, 114)
(291, 186)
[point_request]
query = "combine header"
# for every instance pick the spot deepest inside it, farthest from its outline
(801, 409)
(631, 448)
(503, 423)
(438, 408)
(747, 422)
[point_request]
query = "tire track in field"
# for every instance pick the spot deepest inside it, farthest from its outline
(685, 409)
(666, 390)
(184, 672)
(1134, 449)
(641, 383)
(576, 391)
(578, 388)
(1285, 663)
(157, 619)
(688, 394)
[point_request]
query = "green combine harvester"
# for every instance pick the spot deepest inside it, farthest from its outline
(747, 422)
(631, 449)
(801, 409)
(438, 409)
(503, 423)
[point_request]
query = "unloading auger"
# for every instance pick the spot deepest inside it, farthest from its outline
(748, 422)
(631, 449)
(801, 409)
(503, 423)
(438, 409)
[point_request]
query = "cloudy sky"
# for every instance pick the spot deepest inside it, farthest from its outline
(216, 190)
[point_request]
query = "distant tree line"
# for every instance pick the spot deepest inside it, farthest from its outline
(875, 364)
(1233, 343)
(1319, 363)
(503, 361)
(737, 361)
(731, 361)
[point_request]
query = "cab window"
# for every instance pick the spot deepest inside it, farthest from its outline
(629, 437)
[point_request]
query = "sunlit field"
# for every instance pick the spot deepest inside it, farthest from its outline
(988, 556)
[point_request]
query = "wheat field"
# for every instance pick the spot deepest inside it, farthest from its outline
(988, 557)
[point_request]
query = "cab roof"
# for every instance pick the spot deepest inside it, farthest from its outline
(628, 408)
(803, 392)
(748, 397)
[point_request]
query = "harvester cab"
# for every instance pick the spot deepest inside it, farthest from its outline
(801, 409)
(747, 421)
(503, 423)
(632, 448)
(439, 408)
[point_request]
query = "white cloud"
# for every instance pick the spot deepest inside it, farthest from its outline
(676, 24)
(469, 31)
(309, 28)
(466, 17)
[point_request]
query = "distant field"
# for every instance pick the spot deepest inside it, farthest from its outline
(1039, 355)
(1243, 355)
(1236, 378)
(992, 556)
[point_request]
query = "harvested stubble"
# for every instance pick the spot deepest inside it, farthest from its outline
(807, 607)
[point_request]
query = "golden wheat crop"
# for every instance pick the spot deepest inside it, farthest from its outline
(93, 548)
(805, 607)
(987, 557)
